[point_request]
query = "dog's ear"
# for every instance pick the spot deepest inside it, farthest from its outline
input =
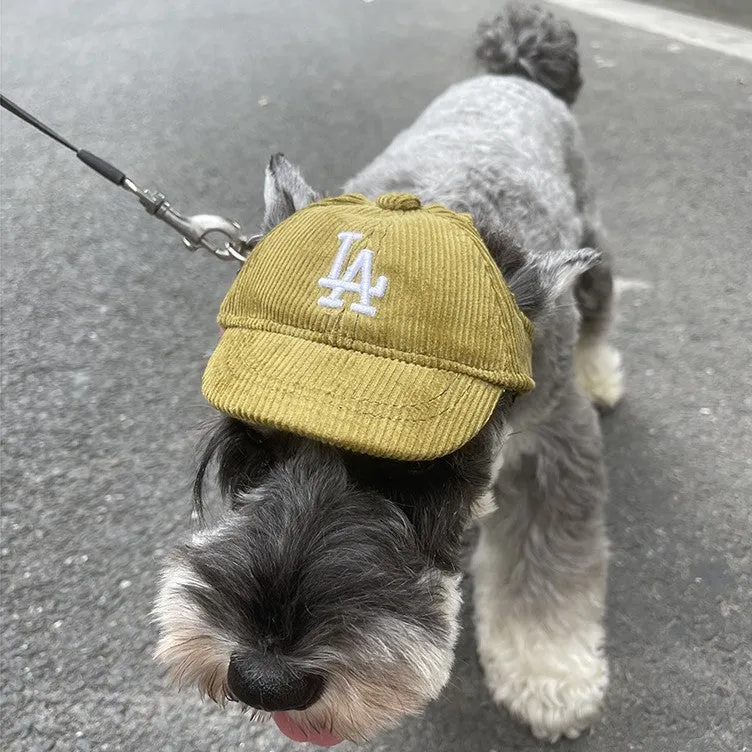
(285, 191)
(542, 277)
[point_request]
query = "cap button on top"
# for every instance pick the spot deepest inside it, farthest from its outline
(398, 202)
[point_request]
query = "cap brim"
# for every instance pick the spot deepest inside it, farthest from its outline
(357, 401)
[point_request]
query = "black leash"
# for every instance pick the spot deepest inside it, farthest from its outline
(194, 230)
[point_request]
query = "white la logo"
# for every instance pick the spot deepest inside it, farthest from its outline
(346, 283)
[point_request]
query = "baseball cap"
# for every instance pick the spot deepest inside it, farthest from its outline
(382, 327)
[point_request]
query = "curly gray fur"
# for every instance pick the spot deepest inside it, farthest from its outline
(530, 42)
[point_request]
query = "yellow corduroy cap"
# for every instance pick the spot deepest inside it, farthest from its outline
(381, 327)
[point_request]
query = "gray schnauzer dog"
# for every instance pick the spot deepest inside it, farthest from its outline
(327, 594)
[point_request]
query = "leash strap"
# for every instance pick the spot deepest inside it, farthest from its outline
(197, 231)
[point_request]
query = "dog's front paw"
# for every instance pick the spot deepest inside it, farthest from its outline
(556, 686)
(553, 707)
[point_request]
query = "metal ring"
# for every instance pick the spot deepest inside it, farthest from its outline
(229, 252)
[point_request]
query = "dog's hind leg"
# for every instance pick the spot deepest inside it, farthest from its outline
(540, 577)
(597, 363)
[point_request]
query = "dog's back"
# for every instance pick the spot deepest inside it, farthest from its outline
(504, 146)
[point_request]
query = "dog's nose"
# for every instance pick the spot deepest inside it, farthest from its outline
(266, 683)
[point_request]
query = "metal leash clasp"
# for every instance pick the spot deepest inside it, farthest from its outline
(200, 230)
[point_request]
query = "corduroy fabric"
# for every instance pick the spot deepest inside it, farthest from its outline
(416, 380)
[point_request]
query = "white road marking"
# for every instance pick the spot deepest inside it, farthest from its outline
(625, 284)
(730, 40)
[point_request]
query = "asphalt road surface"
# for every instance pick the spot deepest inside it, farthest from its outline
(107, 324)
(729, 11)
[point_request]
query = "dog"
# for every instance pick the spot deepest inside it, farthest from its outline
(327, 595)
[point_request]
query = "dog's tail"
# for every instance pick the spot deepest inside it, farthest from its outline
(528, 41)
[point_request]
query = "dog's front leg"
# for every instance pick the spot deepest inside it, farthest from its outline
(540, 574)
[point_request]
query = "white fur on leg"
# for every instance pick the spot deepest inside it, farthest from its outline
(550, 673)
(597, 367)
(554, 684)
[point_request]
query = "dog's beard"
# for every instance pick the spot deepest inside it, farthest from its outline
(392, 669)
(194, 651)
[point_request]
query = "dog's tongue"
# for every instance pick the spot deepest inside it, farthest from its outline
(291, 730)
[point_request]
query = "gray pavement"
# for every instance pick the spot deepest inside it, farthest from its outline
(106, 325)
(736, 12)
